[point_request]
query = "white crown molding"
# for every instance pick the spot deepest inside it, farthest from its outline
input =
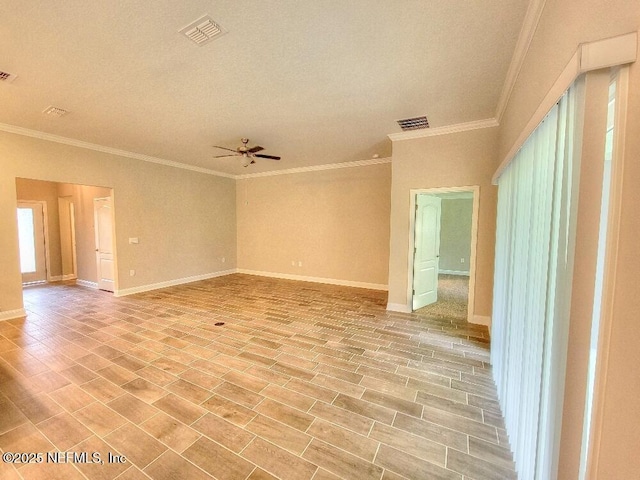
(171, 283)
(101, 148)
(608, 52)
(302, 278)
(529, 27)
(315, 168)
(146, 158)
(447, 129)
(11, 314)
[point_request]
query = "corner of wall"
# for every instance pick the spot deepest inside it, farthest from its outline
(481, 320)
(11, 314)
(398, 307)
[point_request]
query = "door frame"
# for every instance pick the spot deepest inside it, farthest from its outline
(72, 227)
(414, 192)
(113, 240)
(45, 226)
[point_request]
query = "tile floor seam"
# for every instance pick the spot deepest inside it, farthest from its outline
(65, 411)
(177, 453)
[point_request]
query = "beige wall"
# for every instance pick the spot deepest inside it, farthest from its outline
(563, 26)
(455, 233)
(45, 192)
(336, 222)
(459, 159)
(185, 220)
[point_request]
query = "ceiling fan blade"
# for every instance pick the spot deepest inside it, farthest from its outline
(270, 157)
(225, 148)
(255, 149)
(226, 155)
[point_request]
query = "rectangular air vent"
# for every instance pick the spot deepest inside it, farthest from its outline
(55, 111)
(6, 77)
(202, 30)
(414, 123)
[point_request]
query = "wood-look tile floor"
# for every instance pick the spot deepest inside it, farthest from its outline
(302, 381)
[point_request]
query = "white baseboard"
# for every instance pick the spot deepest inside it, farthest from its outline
(302, 278)
(11, 314)
(454, 272)
(61, 278)
(399, 307)
(481, 320)
(171, 283)
(87, 283)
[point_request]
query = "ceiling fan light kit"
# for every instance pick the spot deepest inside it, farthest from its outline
(248, 154)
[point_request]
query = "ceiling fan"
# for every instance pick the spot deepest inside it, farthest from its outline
(249, 154)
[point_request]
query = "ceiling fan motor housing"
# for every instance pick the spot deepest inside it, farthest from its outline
(249, 153)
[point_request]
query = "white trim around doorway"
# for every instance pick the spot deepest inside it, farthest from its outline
(475, 190)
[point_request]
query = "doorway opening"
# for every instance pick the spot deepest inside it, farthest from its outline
(442, 253)
(33, 235)
(63, 236)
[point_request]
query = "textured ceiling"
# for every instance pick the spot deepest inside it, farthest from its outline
(316, 82)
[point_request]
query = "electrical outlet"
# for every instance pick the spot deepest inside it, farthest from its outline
(132, 273)
(299, 264)
(223, 259)
(462, 260)
(293, 263)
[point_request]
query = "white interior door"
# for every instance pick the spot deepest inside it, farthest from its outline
(31, 236)
(427, 251)
(104, 243)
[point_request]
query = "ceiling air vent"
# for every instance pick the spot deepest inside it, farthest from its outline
(7, 77)
(202, 30)
(55, 111)
(414, 123)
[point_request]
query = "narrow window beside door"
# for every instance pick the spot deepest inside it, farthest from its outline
(26, 237)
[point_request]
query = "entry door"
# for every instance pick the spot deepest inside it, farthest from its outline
(31, 237)
(104, 243)
(427, 251)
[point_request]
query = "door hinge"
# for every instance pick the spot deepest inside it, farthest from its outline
(414, 292)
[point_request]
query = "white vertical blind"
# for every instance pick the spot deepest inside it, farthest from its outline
(533, 250)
